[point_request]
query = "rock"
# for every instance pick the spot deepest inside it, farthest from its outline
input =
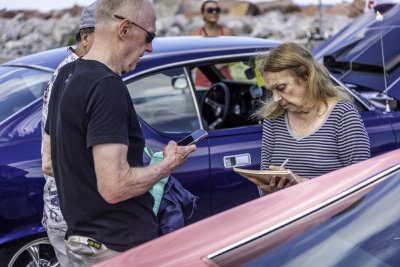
(166, 8)
(244, 8)
(11, 29)
(311, 10)
(192, 7)
(344, 10)
(64, 28)
(284, 6)
(227, 5)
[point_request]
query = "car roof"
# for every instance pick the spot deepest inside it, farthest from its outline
(191, 245)
(166, 50)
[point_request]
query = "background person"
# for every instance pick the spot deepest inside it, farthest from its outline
(53, 220)
(97, 142)
(308, 121)
(210, 11)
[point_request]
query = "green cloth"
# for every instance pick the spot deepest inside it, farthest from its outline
(157, 191)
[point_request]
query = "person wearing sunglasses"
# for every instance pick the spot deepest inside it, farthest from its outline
(95, 143)
(211, 11)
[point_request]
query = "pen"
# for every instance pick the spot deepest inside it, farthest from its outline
(291, 174)
(284, 163)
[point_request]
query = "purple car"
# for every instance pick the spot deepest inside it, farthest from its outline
(187, 83)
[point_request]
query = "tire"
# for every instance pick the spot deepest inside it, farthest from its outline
(36, 252)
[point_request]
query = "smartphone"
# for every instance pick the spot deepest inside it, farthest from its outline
(193, 138)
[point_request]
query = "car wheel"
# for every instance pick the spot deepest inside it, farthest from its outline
(30, 253)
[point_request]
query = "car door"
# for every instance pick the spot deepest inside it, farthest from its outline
(237, 147)
(236, 141)
(168, 111)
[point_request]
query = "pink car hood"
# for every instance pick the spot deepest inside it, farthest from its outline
(187, 246)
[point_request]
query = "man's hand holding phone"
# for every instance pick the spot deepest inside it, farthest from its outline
(193, 138)
(177, 155)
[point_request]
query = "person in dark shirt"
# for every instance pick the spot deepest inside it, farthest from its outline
(96, 142)
(53, 220)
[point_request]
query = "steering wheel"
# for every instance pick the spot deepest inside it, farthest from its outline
(215, 105)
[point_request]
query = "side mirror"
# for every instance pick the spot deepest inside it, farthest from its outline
(179, 83)
(250, 74)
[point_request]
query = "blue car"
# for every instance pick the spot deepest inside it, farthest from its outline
(187, 83)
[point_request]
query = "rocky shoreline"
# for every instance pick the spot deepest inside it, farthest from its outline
(24, 32)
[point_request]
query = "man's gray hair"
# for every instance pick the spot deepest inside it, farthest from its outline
(106, 9)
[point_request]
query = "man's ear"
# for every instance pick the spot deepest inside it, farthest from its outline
(84, 35)
(123, 28)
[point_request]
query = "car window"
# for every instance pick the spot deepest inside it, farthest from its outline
(20, 87)
(362, 229)
(229, 71)
(228, 92)
(164, 101)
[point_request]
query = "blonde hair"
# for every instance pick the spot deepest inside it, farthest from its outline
(300, 63)
(106, 9)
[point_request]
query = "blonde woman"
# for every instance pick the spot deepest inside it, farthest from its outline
(308, 120)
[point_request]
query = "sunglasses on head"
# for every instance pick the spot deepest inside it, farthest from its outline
(150, 35)
(210, 10)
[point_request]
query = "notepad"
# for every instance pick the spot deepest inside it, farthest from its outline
(265, 176)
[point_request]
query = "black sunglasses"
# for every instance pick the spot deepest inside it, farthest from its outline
(150, 35)
(210, 10)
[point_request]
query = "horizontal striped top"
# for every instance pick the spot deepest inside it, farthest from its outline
(339, 141)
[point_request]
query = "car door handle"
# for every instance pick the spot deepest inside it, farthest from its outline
(237, 160)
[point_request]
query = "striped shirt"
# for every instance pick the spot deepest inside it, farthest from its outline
(340, 140)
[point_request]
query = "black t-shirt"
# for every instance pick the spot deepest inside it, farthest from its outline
(91, 105)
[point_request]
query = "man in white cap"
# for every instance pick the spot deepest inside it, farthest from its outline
(53, 220)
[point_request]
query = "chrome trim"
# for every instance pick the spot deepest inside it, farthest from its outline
(236, 156)
(367, 182)
(368, 107)
(181, 63)
(36, 67)
(196, 105)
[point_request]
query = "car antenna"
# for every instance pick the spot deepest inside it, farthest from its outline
(379, 18)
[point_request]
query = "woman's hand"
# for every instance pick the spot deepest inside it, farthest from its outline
(277, 182)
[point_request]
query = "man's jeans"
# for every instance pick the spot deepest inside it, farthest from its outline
(56, 237)
(83, 251)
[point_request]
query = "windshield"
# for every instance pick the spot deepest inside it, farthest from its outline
(20, 87)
